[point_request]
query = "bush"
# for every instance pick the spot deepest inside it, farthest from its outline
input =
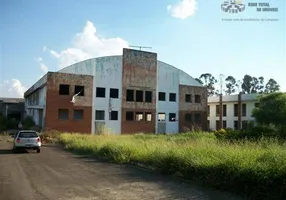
(28, 122)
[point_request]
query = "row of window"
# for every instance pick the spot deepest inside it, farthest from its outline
(64, 89)
(100, 115)
(244, 124)
(235, 110)
(63, 114)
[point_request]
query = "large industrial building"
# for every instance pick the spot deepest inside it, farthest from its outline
(125, 94)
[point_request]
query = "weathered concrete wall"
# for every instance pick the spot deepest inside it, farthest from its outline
(168, 82)
(108, 74)
(139, 73)
(192, 107)
(56, 101)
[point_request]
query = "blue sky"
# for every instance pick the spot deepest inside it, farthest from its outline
(36, 36)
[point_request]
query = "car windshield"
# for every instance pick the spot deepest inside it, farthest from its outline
(28, 135)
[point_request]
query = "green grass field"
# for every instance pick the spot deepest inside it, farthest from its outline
(256, 169)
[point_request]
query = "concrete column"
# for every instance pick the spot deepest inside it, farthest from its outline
(220, 111)
(239, 111)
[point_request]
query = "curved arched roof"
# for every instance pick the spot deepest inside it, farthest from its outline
(86, 67)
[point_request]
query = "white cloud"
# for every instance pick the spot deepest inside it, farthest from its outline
(183, 9)
(88, 44)
(44, 48)
(43, 67)
(12, 88)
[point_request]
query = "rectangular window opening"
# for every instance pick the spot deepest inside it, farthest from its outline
(78, 114)
(188, 98)
(224, 124)
(188, 117)
(64, 89)
(244, 110)
(139, 116)
(162, 96)
(100, 92)
(139, 96)
(99, 114)
(63, 114)
(172, 117)
(148, 117)
(217, 110)
(224, 110)
(79, 90)
(129, 116)
(129, 95)
(114, 93)
(148, 96)
(197, 118)
(172, 97)
(197, 98)
(114, 115)
(235, 110)
(161, 117)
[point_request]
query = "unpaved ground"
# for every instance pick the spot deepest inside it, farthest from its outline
(58, 175)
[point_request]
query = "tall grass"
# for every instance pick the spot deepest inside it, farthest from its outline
(256, 169)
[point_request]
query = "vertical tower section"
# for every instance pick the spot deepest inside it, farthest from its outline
(139, 83)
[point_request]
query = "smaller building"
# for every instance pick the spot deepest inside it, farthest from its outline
(12, 108)
(231, 111)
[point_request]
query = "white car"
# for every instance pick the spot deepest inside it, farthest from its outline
(27, 139)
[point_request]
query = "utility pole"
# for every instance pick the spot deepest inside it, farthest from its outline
(140, 47)
(221, 76)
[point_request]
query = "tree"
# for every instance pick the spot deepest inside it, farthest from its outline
(199, 80)
(271, 110)
(209, 81)
(252, 84)
(230, 85)
(272, 86)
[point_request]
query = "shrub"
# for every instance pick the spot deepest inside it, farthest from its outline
(28, 122)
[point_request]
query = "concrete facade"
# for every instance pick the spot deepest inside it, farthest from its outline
(122, 95)
(235, 113)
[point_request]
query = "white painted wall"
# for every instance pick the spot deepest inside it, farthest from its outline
(168, 82)
(108, 74)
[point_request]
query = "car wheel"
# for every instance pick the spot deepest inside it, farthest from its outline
(15, 150)
(38, 150)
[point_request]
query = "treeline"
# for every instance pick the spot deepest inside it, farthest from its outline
(230, 85)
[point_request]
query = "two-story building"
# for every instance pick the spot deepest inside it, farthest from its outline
(231, 111)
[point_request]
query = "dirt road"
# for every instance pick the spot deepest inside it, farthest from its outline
(58, 175)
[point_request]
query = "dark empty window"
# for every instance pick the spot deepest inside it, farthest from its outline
(139, 96)
(197, 98)
(63, 114)
(100, 92)
(217, 110)
(129, 116)
(172, 117)
(114, 93)
(224, 110)
(162, 96)
(148, 96)
(64, 89)
(99, 115)
(148, 117)
(235, 110)
(188, 98)
(217, 125)
(139, 116)
(244, 124)
(172, 97)
(224, 124)
(79, 90)
(208, 111)
(188, 117)
(78, 114)
(114, 115)
(235, 125)
(129, 95)
(244, 110)
(197, 118)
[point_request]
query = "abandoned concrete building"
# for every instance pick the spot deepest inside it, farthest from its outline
(125, 94)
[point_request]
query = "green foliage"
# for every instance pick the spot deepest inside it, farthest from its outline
(28, 122)
(271, 110)
(259, 165)
(230, 85)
